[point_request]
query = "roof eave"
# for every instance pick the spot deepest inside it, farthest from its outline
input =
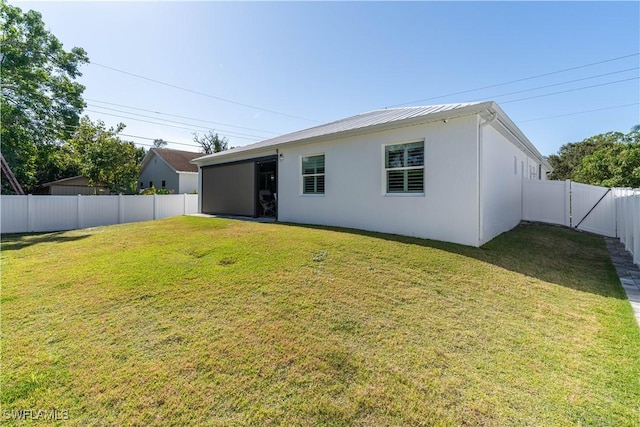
(428, 118)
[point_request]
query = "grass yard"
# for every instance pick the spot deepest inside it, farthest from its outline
(200, 321)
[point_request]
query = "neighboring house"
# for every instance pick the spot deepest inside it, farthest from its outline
(71, 186)
(169, 169)
(445, 172)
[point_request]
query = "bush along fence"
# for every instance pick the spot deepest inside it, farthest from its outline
(25, 214)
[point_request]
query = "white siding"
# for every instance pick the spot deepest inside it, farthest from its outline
(355, 184)
(157, 171)
(188, 182)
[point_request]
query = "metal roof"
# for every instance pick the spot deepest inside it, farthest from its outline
(362, 121)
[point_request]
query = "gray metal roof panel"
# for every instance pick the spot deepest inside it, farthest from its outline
(359, 121)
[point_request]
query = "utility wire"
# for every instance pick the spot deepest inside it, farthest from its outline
(153, 139)
(579, 112)
(164, 124)
(180, 117)
(557, 84)
(517, 80)
(570, 90)
(173, 121)
(202, 93)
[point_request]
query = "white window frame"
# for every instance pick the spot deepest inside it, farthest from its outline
(302, 175)
(385, 169)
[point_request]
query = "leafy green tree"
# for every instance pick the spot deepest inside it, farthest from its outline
(570, 155)
(104, 158)
(40, 100)
(616, 165)
(211, 143)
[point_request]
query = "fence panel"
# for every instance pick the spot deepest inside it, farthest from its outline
(165, 206)
(546, 201)
(23, 214)
(137, 208)
(14, 214)
(593, 209)
(53, 213)
(191, 204)
(628, 227)
(98, 210)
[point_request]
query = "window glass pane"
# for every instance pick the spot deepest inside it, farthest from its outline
(320, 184)
(314, 164)
(407, 160)
(395, 181)
(308, 185)
(415, 156)
(394, 155)
(415, 180)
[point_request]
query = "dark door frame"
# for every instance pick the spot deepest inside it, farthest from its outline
(258, 162)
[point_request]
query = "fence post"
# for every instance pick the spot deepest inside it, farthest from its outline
(155, 208)
(30, 213)
(120, 209)
(567, 203)
(184, 203)
(79, 207)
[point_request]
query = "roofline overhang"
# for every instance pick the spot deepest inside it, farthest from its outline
(433, 117)
(487, 107)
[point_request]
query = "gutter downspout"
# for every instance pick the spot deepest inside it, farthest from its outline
(277, 181)
(494, 116)
(199, 189)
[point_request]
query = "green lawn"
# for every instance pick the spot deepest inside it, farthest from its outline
(200, 321)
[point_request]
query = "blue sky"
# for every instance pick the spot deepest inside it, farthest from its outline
(302, 64)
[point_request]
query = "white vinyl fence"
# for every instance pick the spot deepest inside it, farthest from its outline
(24, 214)
(628, 217)
(612, 212)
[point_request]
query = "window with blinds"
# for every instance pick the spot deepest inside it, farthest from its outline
(404, 167)
(313, 174)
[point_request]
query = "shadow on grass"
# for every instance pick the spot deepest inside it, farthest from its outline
(566, 257)
(14, 242)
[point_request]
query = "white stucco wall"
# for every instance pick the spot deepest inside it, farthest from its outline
(501, 183)
(504, 167)
(355, 182)
(188, 182)
(158, 170)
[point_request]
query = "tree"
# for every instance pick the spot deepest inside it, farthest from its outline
(40, 100)
(159, 143)
(616, 165)
(570, 155)
(211, 143)
(104, 158)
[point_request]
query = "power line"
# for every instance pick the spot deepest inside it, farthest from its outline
(180, 117)
(558, 84)
(569, 90)
(579, 112)
(174, 121)
(153, 139)
(202, 93)
(517, 80)
(164, 124)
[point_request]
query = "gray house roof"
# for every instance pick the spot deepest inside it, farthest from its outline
(379, 119)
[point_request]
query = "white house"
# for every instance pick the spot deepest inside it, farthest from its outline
(446, 172)
(169, 169)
